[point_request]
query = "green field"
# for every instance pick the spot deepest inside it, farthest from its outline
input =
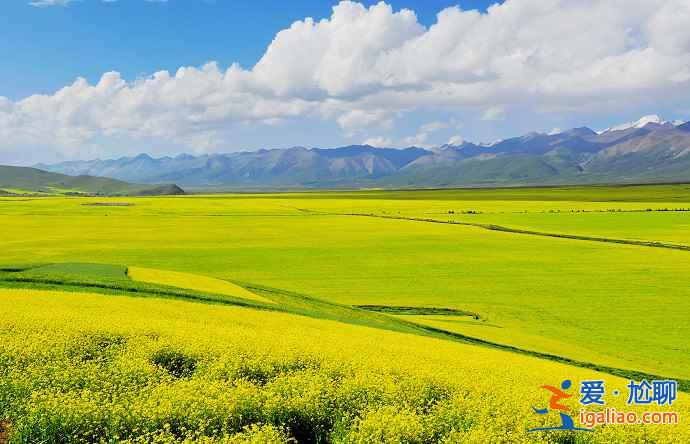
(613, 297)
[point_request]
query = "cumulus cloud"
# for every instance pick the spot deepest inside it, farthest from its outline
(357, 120)
(192, 101)
(434, 126)
(363, 67)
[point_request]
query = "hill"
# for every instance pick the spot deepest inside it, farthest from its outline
(22, 180)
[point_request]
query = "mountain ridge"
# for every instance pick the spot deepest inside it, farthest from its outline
(650, 149)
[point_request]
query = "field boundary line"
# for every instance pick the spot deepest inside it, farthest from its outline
(683, 384)
(504, 229)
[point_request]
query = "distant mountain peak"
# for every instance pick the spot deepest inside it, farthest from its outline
(582, 131)
(639, 123)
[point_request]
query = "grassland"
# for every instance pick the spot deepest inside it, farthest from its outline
(310, 257)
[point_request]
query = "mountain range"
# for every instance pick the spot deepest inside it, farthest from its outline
(648, 150)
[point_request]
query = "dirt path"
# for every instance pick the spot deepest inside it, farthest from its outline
(4, 438)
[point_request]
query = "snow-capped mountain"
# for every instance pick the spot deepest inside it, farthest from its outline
(641, 123)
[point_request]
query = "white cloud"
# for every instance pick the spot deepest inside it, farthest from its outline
(379, 142)
(358, 120)
(456, 140)
(434, 126)
(494, 113)
(336, 57)
(421, 139)
(418, 139)
(437, 125)
(363, 67)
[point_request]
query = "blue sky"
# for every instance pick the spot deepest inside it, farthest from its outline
(369, 73)
(46, 48)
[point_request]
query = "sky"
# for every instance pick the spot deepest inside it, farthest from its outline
(83, 79)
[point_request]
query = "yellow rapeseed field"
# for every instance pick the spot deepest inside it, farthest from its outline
(80, 367)
(192, 282)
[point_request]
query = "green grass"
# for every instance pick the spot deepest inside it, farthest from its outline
(99, 272)
(622, 306)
